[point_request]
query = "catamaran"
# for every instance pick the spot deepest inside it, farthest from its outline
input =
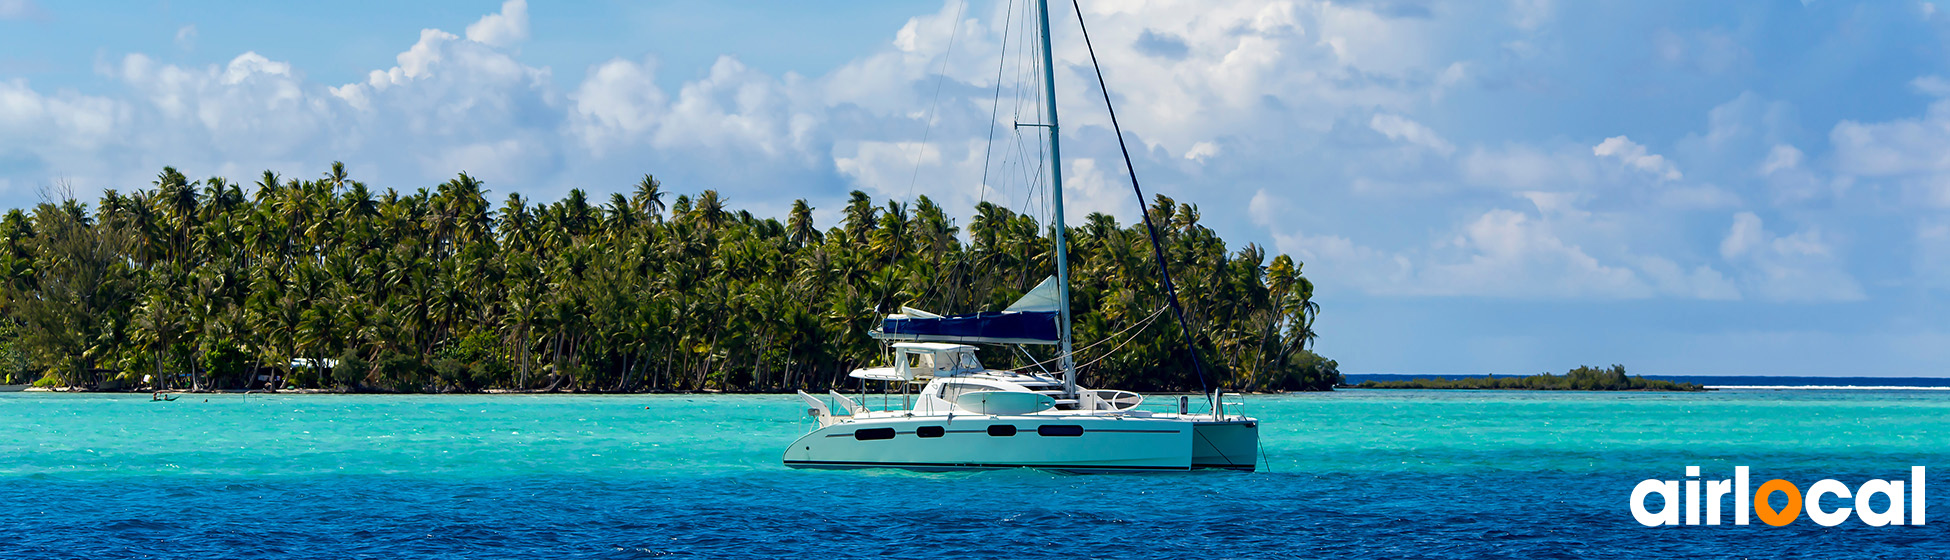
(968, 416)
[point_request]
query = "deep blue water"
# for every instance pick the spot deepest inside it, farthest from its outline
(1709, 380)
(1367, 474)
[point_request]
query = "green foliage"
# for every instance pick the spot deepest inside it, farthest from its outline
(14, 366)
(224, 364)
(68, 290)
(201, 284)
(451, 372)
(405, 372)
(1312, 372)
(350, 370)
(1583, 378)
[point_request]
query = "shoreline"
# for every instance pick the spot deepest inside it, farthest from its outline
(517, 392)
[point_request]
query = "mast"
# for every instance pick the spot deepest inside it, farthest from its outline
(1064, 359)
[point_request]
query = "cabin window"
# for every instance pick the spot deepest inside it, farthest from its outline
(1059, 431)
(873, 433)
(929, 431)
(1002, 430)
(968, 361)
(920, 361)
(954, 390)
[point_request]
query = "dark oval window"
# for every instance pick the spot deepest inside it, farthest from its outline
(874, 433)
(1059, 431)
(1002, 430)
(929, 431)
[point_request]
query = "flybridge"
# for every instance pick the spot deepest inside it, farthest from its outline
(1033, 319)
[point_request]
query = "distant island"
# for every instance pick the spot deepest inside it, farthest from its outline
(326, 284)
(1583, 378)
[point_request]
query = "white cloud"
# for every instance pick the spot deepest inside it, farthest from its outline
(1791, 181)
(618, 101)
(1201, 151)
(1510, 254)
(1632, 154)
(1396, 127)
(1701, 282)
(1913, 153)
(735, 106)
(1802, 266)
(1501, 253)
(450, 104)
(1932, 85)
(59, 124)
(504, 29)
(888, 168)
(1895, 148)
(466, 99)
(1297, 94)
(1780, 159)
(186, 37)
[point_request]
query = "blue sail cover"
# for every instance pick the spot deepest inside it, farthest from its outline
(1007, 327)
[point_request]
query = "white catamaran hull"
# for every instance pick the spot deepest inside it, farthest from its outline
(1226, 445)
(1054, 442)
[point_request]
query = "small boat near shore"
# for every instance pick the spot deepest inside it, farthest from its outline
(14, 388)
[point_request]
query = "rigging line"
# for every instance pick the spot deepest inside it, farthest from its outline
(1138, 325)
(1022, 70)
(1120, 345)
(995, 105)
(1157, 249)
(1032, 359)
(940, 78)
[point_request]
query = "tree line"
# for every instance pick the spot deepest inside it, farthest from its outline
(326, 283)
(1581, 378)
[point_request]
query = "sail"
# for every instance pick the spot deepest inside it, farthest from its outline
(1007, 327)
(1041, 298)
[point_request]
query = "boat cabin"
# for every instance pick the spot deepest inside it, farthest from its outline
(925, 360)
(918, 362)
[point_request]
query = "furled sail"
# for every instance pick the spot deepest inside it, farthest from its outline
(1030, 320)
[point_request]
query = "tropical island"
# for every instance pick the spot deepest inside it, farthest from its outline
(1582, 378)
(328, 284)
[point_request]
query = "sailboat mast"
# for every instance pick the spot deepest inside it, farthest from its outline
(1064, 360)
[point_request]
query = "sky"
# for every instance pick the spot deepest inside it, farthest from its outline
(1711, 188)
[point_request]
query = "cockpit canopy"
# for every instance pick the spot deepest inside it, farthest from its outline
(917, 362)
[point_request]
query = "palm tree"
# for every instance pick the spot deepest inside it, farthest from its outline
(600, 297)
(799, 225)
(649, 197)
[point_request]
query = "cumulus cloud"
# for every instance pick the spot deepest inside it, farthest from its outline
(1501, 253)
(1632, 154)
(504, 29)
(1396, 127)
(1337, 105)
(1909, 152)
(1802, 266)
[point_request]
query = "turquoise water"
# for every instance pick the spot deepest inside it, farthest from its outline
(1353, 473)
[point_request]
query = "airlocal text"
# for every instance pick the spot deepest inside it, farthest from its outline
(1900, 499)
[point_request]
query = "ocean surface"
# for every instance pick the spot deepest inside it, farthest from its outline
(1722, 381)
(1354, 473)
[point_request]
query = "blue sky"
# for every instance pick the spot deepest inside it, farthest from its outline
(1508, 187)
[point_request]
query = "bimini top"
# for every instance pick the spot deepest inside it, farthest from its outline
(1030, 320)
